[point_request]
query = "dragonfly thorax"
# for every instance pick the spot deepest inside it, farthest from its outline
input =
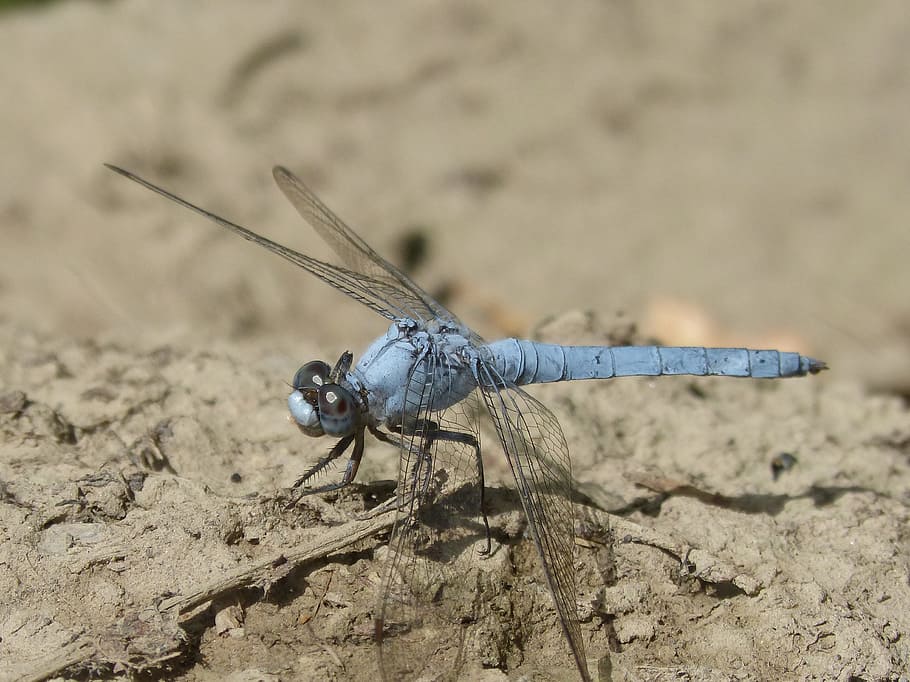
(410, 369)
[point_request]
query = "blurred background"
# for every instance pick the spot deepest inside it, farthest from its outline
(716, 173)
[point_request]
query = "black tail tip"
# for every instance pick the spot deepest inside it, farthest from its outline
(814, 366)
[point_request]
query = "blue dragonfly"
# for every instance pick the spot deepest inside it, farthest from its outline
(422, 387)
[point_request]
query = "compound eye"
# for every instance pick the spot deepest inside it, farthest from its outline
(312, 375)
(337, 410)
(304, 414)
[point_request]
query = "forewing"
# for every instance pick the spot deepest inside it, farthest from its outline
(429, 592)
(539, 459)
(397, 288)
(382, 294)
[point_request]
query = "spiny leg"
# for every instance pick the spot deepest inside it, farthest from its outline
(333, 454)
(337, 450)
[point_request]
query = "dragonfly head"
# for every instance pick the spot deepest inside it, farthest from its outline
(320, 407)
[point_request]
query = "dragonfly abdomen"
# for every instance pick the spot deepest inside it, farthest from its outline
(529, 362)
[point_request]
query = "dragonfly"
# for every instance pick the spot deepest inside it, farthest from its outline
(422, 387)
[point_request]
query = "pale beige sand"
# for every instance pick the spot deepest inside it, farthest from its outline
(712, 173)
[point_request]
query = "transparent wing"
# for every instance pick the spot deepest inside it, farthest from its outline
(397, 288)
(539, 459)
(430, 587)
(384, 294)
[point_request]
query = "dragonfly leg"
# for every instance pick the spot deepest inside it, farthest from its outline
(434, 434)
(349, 473)
(385, 437)
(422, 467)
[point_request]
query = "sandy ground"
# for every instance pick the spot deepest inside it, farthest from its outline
(713, 173)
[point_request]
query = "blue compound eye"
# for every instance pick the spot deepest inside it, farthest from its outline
(337, 410)
(311, 376)
(305, 415)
